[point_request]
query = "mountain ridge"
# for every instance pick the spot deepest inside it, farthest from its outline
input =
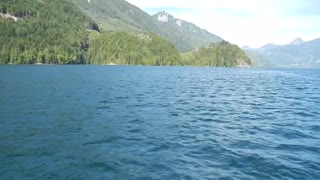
(199, 37)
(297, 41)
(63, 32)
(119, 15)
(297, 53)
(58, 32)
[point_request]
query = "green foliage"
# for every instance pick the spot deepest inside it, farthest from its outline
(57, 32)
(221, 54)
(132, 49)
(119, 15)
(48, 31)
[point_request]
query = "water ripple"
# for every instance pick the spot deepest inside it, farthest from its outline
(159, 123)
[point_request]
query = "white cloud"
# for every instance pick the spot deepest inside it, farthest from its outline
(245, 22)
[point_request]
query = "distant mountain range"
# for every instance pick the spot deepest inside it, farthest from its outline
(295, 54)
(120, 15)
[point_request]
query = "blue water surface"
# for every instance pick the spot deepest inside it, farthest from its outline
(121, 122)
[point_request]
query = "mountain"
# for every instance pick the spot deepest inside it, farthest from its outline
(196, 36)
(58, 32)
(117, 15)
(297, 42)
(120, 15)
(295, 54)
(257, 59)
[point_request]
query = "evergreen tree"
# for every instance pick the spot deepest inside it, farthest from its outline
(221, 54)
(47, 31)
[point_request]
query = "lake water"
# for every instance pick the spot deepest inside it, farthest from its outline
(113, 122)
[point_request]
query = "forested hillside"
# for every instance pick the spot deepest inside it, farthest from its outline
(150, 49)
(59, 32)
(221, 54)
(132, 49)
(43, 31)
(119, 15)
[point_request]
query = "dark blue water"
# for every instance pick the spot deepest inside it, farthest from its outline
(103, 122)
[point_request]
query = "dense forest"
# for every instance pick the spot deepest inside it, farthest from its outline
(45, 31)
(132, 49)
(58, 32)
(150, 49)
(221, 54)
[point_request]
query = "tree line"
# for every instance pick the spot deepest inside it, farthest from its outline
(132, 49)
(221, 54)
(49, 31)
(58, 32)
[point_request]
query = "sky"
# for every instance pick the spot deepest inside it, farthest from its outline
(246, 22)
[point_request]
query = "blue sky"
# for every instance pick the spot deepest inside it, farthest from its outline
(246, 22)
